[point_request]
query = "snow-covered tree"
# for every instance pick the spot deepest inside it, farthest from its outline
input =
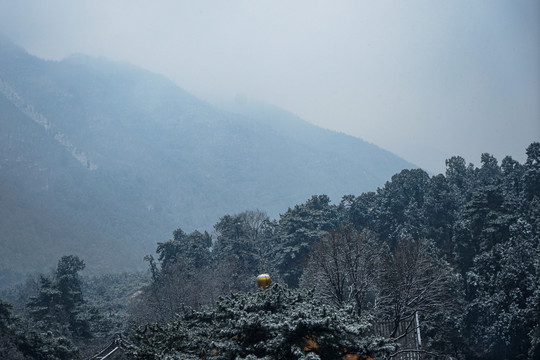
(299, 229)
(59, 304)
(503, 285)
(19, 341)
(278, 323)
(343, 266)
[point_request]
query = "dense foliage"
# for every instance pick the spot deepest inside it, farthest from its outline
(459, 249)
(457, 254)
(19, 341)
(278, 323)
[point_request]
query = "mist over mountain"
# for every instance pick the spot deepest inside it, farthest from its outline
(105, 159)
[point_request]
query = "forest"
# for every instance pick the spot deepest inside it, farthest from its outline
(454, 257)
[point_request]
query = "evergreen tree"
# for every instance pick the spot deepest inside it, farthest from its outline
(184, 262)
(278, 323)
(531, 187)
(503, 284)
(59, 305)
(360, 210)
(18, 341)
(400, 206)
(440, 211)
(239, 239)
(489, 171)
(512, 184)
(486, 219)
(299, 229)
(194, 246)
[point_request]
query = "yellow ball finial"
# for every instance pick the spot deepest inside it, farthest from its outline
(264, 281)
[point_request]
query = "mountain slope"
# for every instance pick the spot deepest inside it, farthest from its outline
(108, 159)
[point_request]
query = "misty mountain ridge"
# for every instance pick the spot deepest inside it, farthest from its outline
(105, 159)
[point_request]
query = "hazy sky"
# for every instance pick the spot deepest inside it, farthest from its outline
(423, 79)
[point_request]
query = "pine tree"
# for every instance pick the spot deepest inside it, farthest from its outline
(18, 341)
(278, 323)
(503, 284)
(299, 229)
(59, 304)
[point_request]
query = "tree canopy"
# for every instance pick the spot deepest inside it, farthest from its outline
(278, 323)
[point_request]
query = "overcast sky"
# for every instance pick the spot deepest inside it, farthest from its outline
(423, 79)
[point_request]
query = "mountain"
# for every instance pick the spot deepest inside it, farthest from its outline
(104, 159)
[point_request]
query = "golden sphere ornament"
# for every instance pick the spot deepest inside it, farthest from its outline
(264, 281)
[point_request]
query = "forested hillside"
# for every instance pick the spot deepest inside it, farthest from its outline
(459, 252)
(100, 158)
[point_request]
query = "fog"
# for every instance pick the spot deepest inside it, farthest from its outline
(423, 79)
